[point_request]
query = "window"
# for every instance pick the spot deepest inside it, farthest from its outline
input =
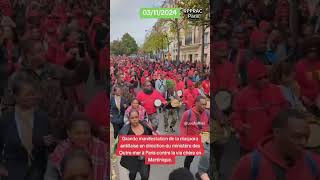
(188, 38)
(197, 33)
(206, 39)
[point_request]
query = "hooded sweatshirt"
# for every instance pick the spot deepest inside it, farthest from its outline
(96, 109)
(189, 96)
(269, 156)
(225, 77)
(256, 107)
(147, 100)
(310, 85)
(246, 55)
(224, 74)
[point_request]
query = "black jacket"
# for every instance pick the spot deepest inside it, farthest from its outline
(117, 116)
(132, 162)
(13, 154)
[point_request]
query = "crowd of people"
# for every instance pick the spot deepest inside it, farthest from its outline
(49, 129)
(266, 57)
(146, 91)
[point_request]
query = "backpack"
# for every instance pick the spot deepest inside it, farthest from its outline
(189, 117)
(255, 164)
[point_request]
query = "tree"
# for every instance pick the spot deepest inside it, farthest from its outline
(156, 41)
(203, 21)
(129, 43)
(116, 48)
(126, 46)
(176, 25)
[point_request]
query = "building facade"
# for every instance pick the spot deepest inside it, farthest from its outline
(190, 41)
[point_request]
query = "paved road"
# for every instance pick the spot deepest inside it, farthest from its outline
(158, 172)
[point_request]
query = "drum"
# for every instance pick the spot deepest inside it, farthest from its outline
(175, 103)
(157, 102)
(222, 133)
(223, 100)
(179, 93)
(314, 140)
(205, 137)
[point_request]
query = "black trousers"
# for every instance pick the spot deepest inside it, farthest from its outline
(187, 161)
(143, 169)
(116, 129)
(217, 149)
(243, 152)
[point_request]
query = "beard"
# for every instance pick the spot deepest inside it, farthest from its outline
(148, 91)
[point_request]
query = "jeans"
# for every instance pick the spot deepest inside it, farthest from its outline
(173, 113)
(187, 161)
(154, 120)
(143, 169)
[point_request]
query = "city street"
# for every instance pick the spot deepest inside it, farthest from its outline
(162, 51)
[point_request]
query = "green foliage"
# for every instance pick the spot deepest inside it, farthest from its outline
(197, 4)
(116, 48)
(170, 84)
(203, 21)
(155, 41)
(130, 44)
(126, 46)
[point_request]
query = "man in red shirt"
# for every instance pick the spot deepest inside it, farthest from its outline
(308, 75)
(195, 121)
(190, 95)
(179, 83)
(255, 107)
(282, 154)
(206, 85)
(147, 98)
(224, 74)
(96, 109)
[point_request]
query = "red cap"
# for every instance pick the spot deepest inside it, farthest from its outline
(257, 37)
(264, 25)
(256, 69)
(189, 83)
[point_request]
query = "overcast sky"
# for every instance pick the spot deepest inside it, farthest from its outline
(124, 17)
